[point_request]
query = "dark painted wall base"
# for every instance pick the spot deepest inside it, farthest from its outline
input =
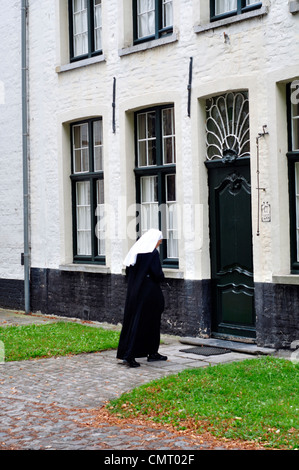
(101, 297)
(277, 314)
(12, 294)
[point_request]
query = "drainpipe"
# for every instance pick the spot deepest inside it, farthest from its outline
(24, 9)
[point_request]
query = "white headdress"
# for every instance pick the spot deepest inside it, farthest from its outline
(146, 244)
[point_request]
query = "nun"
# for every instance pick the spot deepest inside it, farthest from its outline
(140, 334)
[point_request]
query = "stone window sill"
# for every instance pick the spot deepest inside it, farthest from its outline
(294, 6)
(168, 273)
(173, 273)
(148, 45)
(286, 279)
(80, 63)
(231, 20)
(86, 268)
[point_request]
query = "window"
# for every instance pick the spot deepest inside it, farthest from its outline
(152, 19)
(293, 160)
(224, 8)
(155, 177)
(88, 191)
(85, 19)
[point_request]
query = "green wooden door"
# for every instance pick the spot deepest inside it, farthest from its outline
(231, 249)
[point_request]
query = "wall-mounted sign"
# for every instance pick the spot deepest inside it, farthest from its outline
(266, 212)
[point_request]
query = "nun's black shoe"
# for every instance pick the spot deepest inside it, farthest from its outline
(131, 363)
(156, 357)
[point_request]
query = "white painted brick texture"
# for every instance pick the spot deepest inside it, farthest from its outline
(257, 54)
(11, 205)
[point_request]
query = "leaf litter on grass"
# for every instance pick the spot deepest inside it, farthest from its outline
(255, 400)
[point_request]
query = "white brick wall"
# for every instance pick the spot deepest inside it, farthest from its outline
(259, 54)
(11, 205)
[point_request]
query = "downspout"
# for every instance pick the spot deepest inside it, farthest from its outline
(24, 9)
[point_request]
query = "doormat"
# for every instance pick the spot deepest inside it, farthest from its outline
(206, 350)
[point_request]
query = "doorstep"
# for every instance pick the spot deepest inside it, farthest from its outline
(232, 345)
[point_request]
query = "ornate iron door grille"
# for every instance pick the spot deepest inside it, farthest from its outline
(227, 127)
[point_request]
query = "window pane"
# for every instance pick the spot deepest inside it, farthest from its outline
(295, 126)
(142, 6)
(149, 217)
(149, 203)
(172, 242)
(80, 45)
(296, 133)
(151, 23)
(80, 27)
(98, 25)
(171, 222)
(142, 26)
(77, 24)
(146, 18)
(168, 151)
(167, 13)
(142, 160)
(80, 148)
(79, 5)
(98, 133)
(84, 160)
(76, 137)
(141, 129)
(152, 152)
(252, 2)
(98, 159)
(100, 214)
(170, 188)
(98, 145)
(77, 161)
(167, 121)
(168, 133)
(83, 218)
(83, 194)
(98, 39)
(151, 5)
(84, 135)
(225, 6)
(151, 124)
(149, 189)
(295, 110)
(141, 126)
(146, 129)
(76, 5)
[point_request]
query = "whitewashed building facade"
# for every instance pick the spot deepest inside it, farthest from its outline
(185, 111)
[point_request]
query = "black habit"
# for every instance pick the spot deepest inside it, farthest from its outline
(144, 305)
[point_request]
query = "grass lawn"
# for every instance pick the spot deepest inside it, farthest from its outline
(54, 339)
(253, 400)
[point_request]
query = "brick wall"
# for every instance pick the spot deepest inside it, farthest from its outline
(11, 201)
(260, 55)
(101, 298)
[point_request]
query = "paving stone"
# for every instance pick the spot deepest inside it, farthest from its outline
(50, 403)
